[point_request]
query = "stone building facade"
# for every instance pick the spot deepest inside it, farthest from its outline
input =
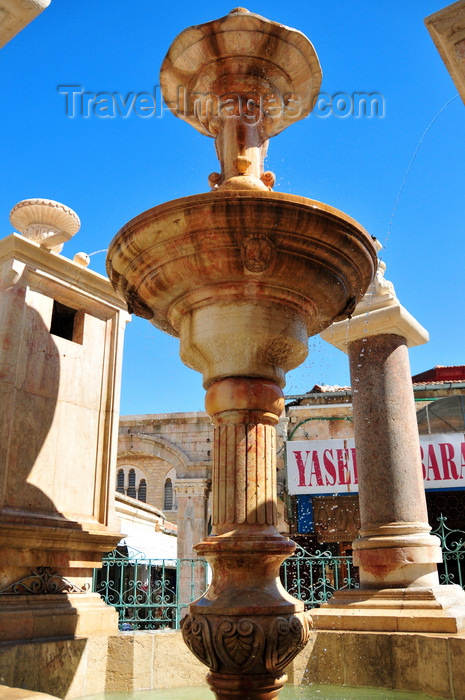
(172, 453)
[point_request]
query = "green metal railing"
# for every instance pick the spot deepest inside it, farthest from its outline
(452, 569)
(154, 594)
(150, 594)
(313, 578)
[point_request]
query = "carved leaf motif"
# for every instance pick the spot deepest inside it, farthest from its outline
(238, 648)
(240, 645)
(197, 636)
(283, 640)
(286, 638)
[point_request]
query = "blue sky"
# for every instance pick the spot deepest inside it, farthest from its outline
(110, 170)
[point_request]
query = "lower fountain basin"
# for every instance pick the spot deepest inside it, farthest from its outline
(290, 692)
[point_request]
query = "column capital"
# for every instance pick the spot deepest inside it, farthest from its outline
(378, 313)
(192, 487)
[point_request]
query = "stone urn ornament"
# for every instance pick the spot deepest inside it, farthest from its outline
(48, 223)
(243, 276)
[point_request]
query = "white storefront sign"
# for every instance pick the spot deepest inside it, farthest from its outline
(330, 466)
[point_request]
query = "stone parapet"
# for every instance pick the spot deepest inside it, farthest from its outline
(447, 29)
(429, 662)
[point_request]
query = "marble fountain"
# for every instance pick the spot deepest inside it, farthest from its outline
(244, 276)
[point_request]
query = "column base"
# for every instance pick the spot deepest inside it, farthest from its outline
(60, 615)
(398, 555)
(416, 609)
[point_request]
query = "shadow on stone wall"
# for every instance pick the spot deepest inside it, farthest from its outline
(32, 405)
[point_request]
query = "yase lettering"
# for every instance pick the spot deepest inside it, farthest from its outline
(330, 466)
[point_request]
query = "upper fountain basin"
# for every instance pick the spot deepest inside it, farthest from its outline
(246, 55)
(265, 268)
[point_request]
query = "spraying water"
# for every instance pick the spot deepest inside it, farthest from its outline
(412, 162)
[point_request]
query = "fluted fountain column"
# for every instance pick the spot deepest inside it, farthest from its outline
(246, 627)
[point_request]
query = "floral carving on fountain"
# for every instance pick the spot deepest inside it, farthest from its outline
(243, 276)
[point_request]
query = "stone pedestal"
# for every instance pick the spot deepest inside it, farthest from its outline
(396, 554)
(61, 333)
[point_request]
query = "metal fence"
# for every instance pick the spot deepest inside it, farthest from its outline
(452, 569)
(150, 594)
(155, 593)
(313, 578)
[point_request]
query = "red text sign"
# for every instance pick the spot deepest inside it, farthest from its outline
(330, 466)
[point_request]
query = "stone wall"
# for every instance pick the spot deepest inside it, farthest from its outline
(78, 667)
(428, 663)
(190, 432)
(175, 446)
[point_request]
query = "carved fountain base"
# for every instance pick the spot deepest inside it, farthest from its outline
(246, 629)
(229, 687)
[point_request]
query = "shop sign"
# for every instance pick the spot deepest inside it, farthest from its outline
(330, 466)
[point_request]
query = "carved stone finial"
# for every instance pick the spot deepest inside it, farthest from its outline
(380, 288)
(45, 221)
(268, 178)
(380, 285)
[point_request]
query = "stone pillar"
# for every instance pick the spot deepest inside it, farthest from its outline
(192, 498)
(61, 340)
(395, 548)
(257, 627)
(396, 554)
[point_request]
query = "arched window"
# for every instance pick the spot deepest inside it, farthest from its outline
(132, 484)
(168, 500)
(120, 481)
(142, 492)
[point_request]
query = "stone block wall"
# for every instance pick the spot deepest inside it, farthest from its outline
(190, 432)
(430, 663)
(78, 667)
